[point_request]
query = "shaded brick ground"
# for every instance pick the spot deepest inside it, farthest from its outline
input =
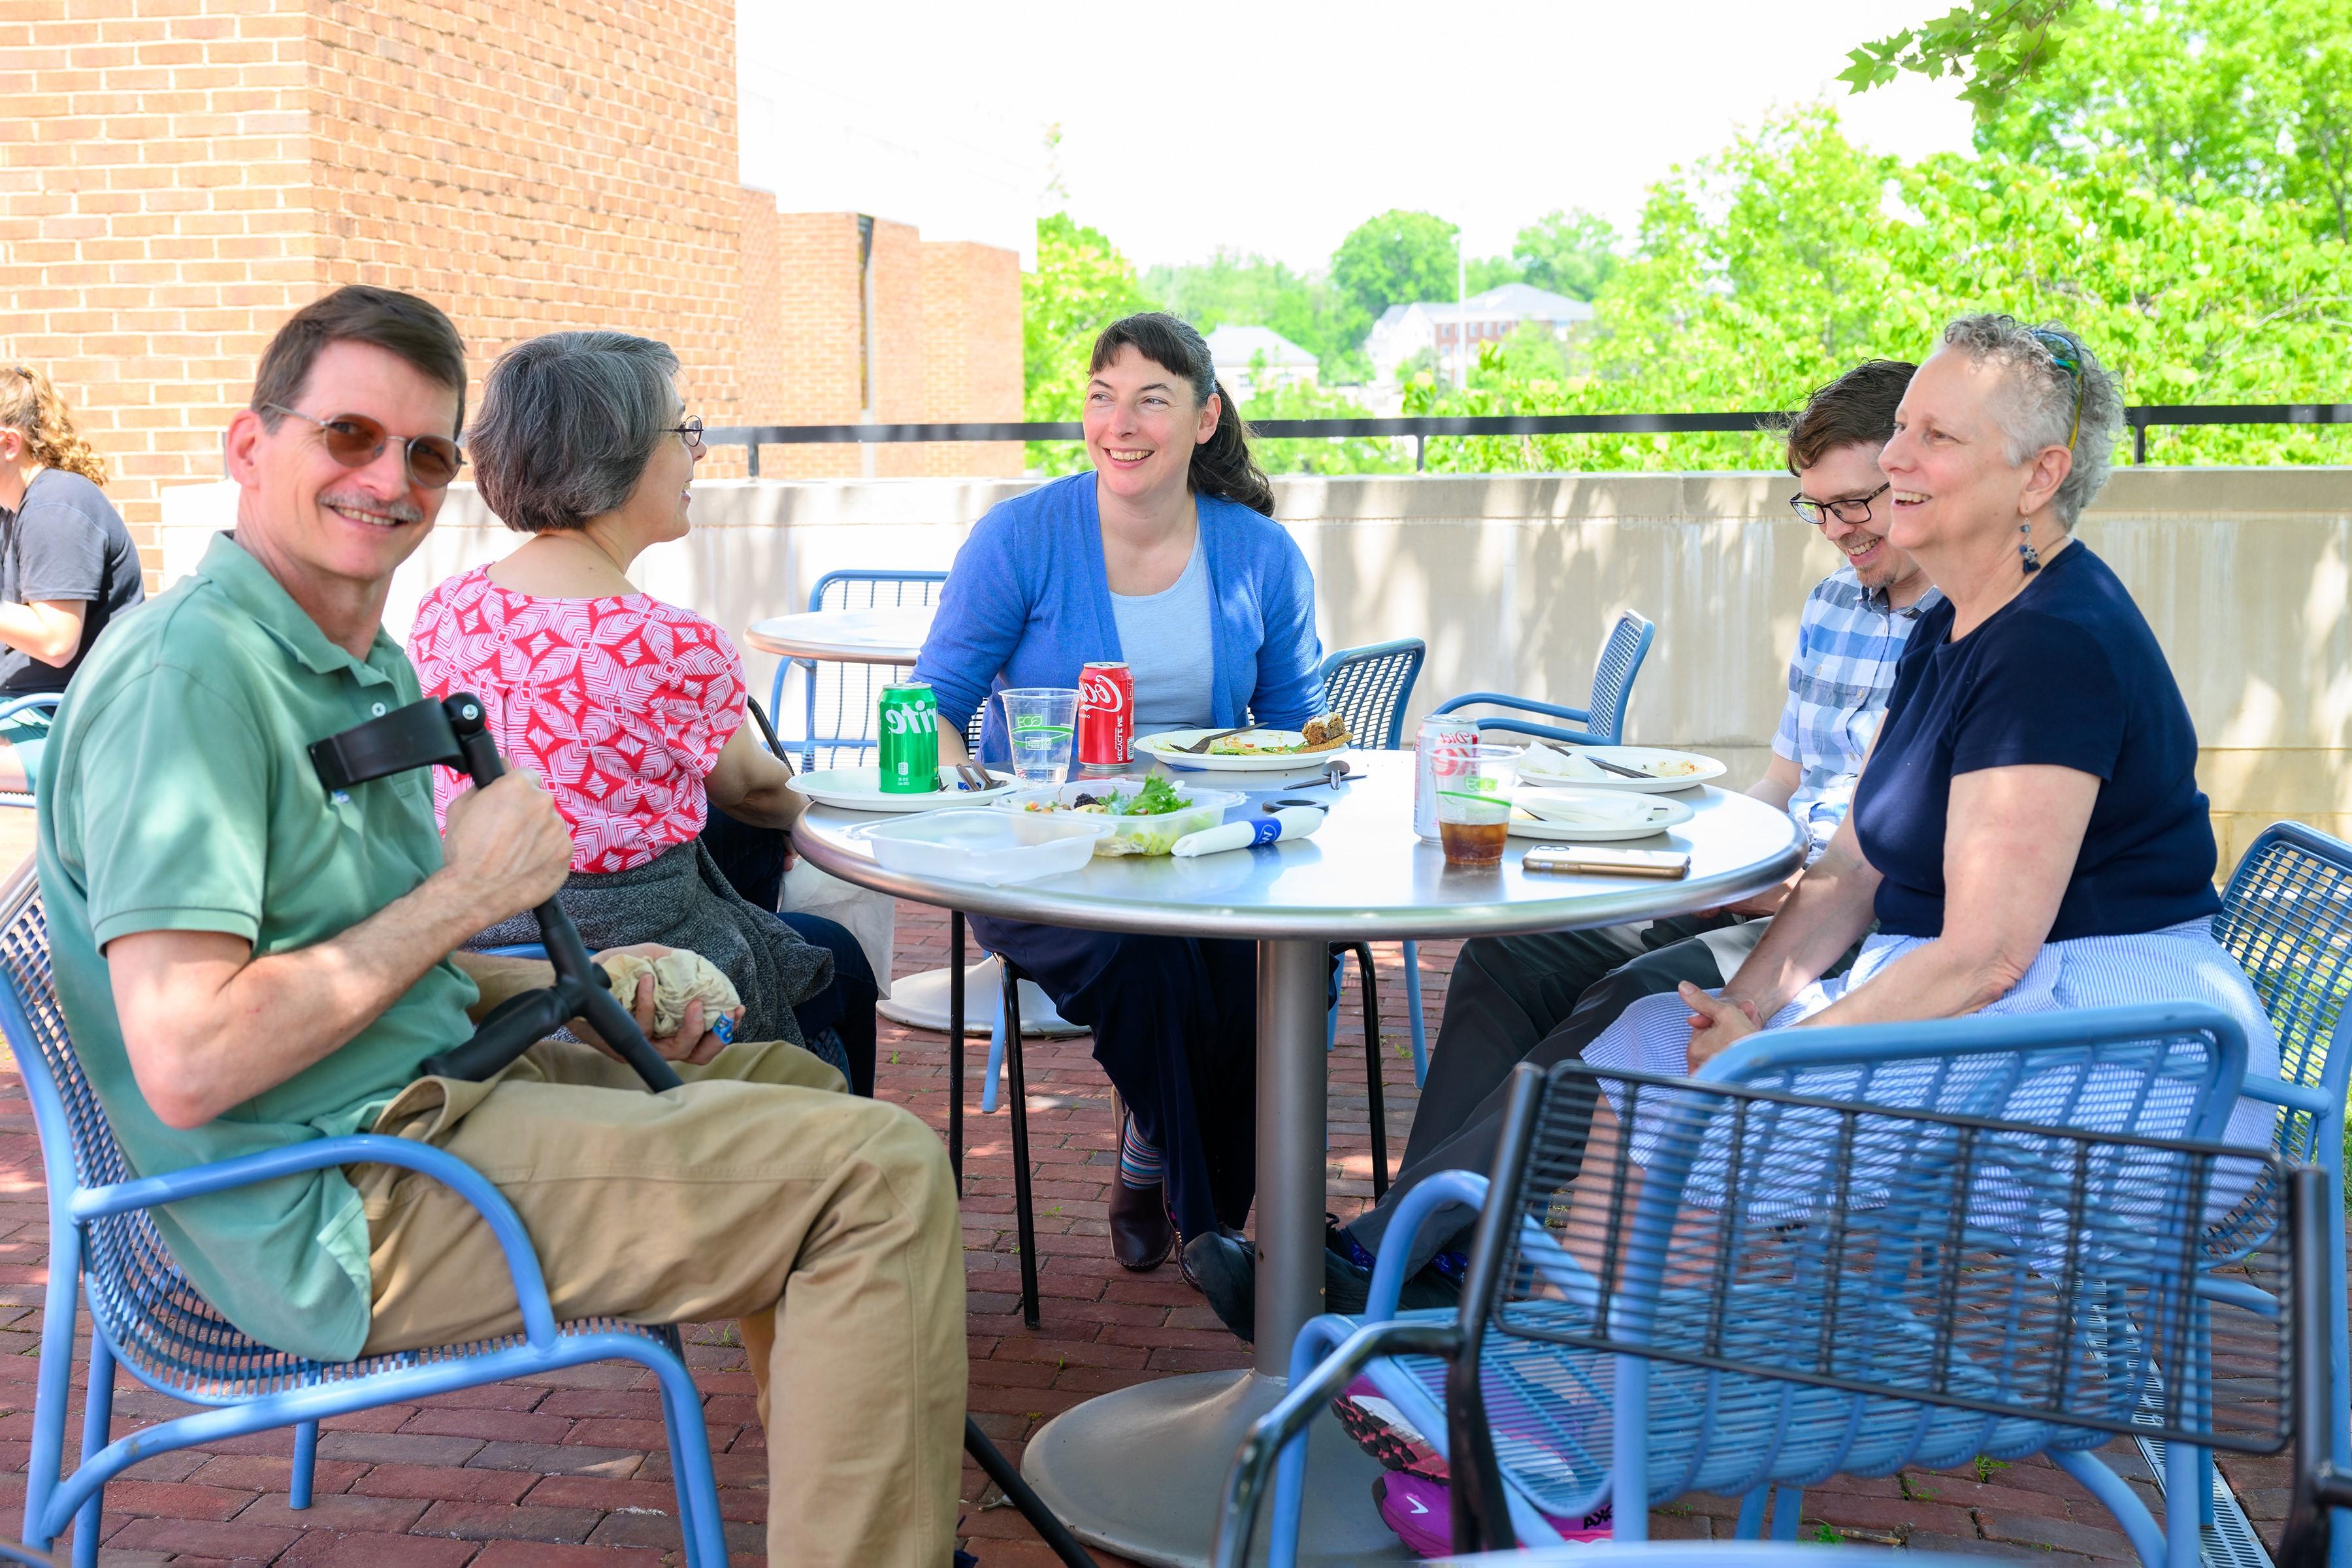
(570, 1471)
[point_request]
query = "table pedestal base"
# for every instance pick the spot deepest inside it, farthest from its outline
(1143, 1472)
(921, 1001)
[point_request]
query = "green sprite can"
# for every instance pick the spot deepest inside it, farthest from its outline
(910, 729)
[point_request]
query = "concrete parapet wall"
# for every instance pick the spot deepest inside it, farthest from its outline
(2245, 573)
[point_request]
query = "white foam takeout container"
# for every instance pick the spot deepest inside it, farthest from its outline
(1132, 835)
(984, 844)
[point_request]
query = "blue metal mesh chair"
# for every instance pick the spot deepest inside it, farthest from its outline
(1370, 687)
(1602, 720)
(105, 1252)
(843, 697)
(32, 703)
(1880, 1247)
(2286, 917)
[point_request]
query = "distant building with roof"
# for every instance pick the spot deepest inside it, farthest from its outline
(1442, 327)
(1256, 358)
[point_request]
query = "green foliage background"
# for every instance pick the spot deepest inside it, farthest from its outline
(2170, 178)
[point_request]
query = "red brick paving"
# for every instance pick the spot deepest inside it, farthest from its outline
(570, 1470)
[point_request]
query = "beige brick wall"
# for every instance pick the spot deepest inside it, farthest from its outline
(972, 354)
(155, 218)
(176, 177)
(538, 165)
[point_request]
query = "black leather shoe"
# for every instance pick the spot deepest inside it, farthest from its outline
(1225, 1268)
(1140, 1236)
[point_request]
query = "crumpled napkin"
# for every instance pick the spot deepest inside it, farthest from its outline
(1290, 822)
(679, 977)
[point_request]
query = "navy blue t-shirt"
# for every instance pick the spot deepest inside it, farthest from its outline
(2067, 675)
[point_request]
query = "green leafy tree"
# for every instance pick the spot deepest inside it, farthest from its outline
(1395, 258)
(1571, 253)
(2204, 95)
(1764, 271)
(1240, 290)
(1347, 455)
(1996, 44)
(1082, 284)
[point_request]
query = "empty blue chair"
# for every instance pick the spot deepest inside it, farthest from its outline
(843, 697)
(1866, 1209)
(1601, 720)
(105, 1253)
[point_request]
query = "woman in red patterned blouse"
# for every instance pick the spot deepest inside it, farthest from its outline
(629, 708)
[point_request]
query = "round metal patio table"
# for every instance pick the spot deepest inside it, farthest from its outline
(887, 634)
(1139, 1470)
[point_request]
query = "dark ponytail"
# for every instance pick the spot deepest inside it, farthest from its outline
(1222, 465)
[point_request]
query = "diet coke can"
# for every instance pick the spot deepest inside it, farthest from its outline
(1105, 738)
(1445, 746)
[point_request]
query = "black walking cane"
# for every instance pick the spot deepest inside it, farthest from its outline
(454, 733)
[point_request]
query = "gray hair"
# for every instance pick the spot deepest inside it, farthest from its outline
(568, 423)
(2039, 409)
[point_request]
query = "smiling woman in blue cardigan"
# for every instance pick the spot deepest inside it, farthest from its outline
(1166, 557)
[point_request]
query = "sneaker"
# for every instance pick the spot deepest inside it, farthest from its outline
(1419, 1509)
(1415, 1498)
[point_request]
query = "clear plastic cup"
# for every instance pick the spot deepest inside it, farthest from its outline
(1039, 721)
(1473, 803)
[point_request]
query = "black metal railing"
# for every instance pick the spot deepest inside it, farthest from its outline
(1422, 427)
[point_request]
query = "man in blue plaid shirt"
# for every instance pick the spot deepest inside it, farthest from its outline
(1541, 998)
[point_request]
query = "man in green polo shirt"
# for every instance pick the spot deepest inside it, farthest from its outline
(248, 959)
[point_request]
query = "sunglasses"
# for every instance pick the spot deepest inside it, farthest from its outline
(354, 440)
(2067, 356)
(1849, 509)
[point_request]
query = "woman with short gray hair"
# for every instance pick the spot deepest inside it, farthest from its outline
(2027, 833)
(631, 710)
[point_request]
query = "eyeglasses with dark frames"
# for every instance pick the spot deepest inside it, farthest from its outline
(354, 440)
(690, 431)
(2067, 356)
(1845, 508)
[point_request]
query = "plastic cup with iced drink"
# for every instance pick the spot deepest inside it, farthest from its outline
(1473, 805)
(1039, 721)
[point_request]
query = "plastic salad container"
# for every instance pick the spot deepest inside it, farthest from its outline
(1131, 833)
(982, 844)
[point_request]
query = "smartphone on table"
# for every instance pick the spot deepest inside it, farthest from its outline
(1670, 865)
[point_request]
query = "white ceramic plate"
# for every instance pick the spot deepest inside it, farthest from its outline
(1544, 764)
(860, 789)
(1163, 748)
(1592, 816)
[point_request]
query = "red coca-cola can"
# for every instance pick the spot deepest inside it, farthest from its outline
(1106, 715)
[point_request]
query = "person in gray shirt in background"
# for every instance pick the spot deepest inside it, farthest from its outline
(67, 563)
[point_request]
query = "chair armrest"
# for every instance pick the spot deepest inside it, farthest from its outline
(1464, 1187)
(1865, 1045)
(1524, 704)
(357, 1148)
(16, 705)
(2293, 1096)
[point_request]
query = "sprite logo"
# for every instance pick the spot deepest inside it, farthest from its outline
(911, 721)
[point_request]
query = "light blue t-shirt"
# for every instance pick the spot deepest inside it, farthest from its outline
(1164, 637)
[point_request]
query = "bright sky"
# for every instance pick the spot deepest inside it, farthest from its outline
(1279, 125)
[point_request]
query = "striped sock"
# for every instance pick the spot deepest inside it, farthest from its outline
(1138, 1162)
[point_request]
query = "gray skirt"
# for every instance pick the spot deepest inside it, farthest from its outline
(680, 898)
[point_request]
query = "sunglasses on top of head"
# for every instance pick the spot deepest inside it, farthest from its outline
(354, 440)
(2067, 356)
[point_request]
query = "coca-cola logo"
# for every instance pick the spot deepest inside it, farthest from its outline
(1453, 760)
(1101, 692)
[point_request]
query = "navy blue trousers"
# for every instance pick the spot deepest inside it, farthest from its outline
(1175, 1028)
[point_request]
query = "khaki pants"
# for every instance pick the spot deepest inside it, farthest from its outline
(827, 1224)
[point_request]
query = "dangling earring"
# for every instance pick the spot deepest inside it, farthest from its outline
(2025, 551)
